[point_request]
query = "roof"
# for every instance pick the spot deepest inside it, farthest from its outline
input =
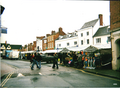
(69, 35)
(12, 46)
(89, 24)
(4, 44)
(16, 46)
(102, 31)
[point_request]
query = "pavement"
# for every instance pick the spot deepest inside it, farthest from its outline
(5, 69)
(104, 72)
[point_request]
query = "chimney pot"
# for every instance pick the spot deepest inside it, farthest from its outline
(101, 19)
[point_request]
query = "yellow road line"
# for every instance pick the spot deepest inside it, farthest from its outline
(98, 75)
(7, 78)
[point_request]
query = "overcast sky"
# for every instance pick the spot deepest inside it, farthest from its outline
(26, 19)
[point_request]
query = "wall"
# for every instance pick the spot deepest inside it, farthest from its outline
(64, 42)
(85, 37)
(115, 14)
(103, 39)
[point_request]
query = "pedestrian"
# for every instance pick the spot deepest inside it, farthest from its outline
(55, 61)
(38, 58)
(86, 61)
(34, 61)
(79, 60)
(83, 57)
(93, 61)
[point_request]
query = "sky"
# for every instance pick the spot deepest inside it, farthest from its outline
(27, 19)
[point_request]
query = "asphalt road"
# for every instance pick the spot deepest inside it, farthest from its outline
(21, 76)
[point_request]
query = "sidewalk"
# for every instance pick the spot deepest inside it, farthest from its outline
(105, 72)
(5, 69)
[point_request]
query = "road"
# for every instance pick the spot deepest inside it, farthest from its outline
(21, 76)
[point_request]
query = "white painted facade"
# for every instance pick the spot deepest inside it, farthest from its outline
(104, 40)
(39, 44)
(85, 37)
(67, 42)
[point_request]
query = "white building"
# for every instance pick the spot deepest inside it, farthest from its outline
(102, 36)
(39, 43)
(92, 33)
(85, 34)
(69, 40)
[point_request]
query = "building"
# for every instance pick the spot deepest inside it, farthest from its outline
(70, 40)
(49, 41)
(115, 33)
(34, 46)
(85, 34)
(39, 43)
(5, 46)
(102, 36)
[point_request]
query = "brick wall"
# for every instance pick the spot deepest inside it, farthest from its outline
(114, 14)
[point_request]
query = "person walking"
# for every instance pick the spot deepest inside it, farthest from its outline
(55, 61)
(34, 61)
(79, 60)
(38, 58)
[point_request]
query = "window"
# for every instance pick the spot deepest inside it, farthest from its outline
(45, 41)
(67, 44)
(59, 45)
(81, 42)
(87, 41)
(87, 33)
(98, 40)
(75, 42)
(52, 44)
(52, 37)
(81, 34)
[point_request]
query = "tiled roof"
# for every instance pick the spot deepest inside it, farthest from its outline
(102, 31)
(89, 24)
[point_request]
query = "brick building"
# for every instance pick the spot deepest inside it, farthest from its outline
(115, 33)
(34, 45)
(49, 41)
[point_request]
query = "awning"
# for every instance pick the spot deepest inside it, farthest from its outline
(77, 48)
(90, 49)
(65, 50)
(52, 51)
(93, 48)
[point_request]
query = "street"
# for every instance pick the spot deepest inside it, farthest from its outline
(21, 76)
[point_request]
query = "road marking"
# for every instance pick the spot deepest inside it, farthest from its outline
(40, 73)
(19, 75)
(7, 78)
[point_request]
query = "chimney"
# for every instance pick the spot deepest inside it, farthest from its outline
(47, 35)
(60, 29)
(101, 19)
(53, 32)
